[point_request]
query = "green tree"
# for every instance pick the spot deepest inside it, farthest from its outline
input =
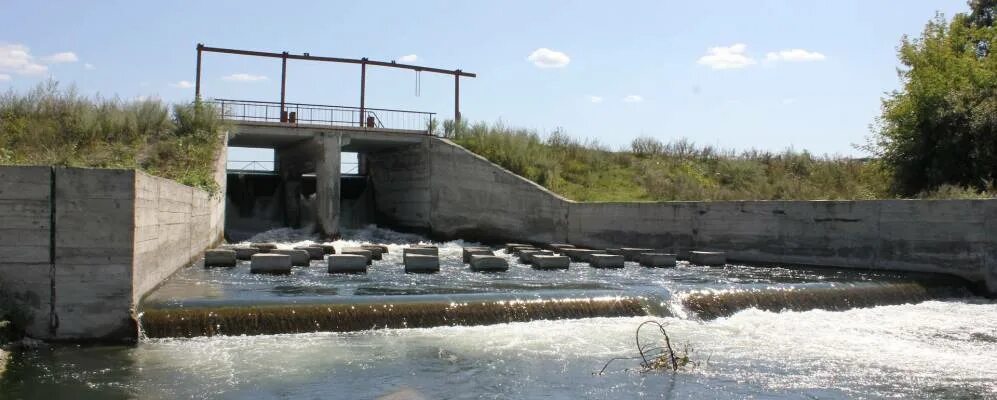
(940, 128)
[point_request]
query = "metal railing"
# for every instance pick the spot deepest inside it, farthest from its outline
(251, 166)
(317, 114)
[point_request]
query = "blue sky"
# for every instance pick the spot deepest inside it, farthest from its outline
(739, 74)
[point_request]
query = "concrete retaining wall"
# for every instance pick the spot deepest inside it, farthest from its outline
(82, 246)
(451, 192)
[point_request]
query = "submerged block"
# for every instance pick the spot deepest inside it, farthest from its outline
(346, 263)
(657, 260)
(426, 251)
(269, 263)
(360, 251)
(471, 251)
(219, 258)
(264, 247)
(488, 263)
(708, 257)
(328, 248)
(298, 257)
(606, 261)
(551, 262)
(375, 250)
(244, 253)
(314, 252)
(421, 263)
(633, 253)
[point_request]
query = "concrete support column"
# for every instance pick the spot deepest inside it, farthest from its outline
(327, 182)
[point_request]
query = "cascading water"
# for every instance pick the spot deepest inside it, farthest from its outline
(310, 300)
(760, 332)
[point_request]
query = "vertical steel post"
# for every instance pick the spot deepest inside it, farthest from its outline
(456, 101)
(197, 79)
(283, 86)
(363, 88)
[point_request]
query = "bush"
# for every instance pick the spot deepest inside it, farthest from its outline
(677, 170)
(50, 126)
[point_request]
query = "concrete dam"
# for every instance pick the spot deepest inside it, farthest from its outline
(83, 247)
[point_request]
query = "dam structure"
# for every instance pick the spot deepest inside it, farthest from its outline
(82, 248)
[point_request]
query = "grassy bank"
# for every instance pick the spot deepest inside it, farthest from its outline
(679, 170)
(52, 126)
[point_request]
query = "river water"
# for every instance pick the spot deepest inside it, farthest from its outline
(942, 348)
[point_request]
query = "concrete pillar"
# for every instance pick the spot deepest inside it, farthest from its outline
(327, 182)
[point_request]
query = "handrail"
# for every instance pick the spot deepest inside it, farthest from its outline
(254, 110)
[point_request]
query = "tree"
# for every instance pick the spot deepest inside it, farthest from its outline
(940, 128)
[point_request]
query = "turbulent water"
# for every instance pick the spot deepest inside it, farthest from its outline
(930, 349)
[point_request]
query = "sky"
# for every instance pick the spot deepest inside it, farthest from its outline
(739, 74)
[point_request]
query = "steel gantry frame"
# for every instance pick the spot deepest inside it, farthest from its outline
(364, 62)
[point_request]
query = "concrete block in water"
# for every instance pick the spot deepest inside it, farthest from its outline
(328, 248)
(527, 256)
(708, 257)
(509, 246)
(471, 251)
(606, 261)
(551, 262)
(633, 253)
(270, 263)
(558, 246)
(618, 252)
(346, 263)
(360, 251)
(426, 251)
(375, 251)
(658, 260)
(314, 252)
(264, 247)
(298, 257)
(219, 258)
(581, 254)
(421, 263)
(520, 249)
(488, 263)
(244, 253)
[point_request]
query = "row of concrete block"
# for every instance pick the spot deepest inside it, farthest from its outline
(267, 258)
(559, 255)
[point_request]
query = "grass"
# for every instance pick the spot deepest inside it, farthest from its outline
(680, 170)
(52, 126)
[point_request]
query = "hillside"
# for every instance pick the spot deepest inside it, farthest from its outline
(51, 126)
(680, 170)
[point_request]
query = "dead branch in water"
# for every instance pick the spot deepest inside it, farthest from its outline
(655, 358)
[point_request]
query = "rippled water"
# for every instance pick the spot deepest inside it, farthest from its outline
(933, 349)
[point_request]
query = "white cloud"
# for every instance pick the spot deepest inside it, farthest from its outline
(794, 55)
(182, 85)
(17, 59)
(594, 99)
(244, 77)
(547, 58)
(730, 57)
(4, 77)
(59, 58)
(409, 58)
(788, 101)
(89, 66)
(633, 99)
